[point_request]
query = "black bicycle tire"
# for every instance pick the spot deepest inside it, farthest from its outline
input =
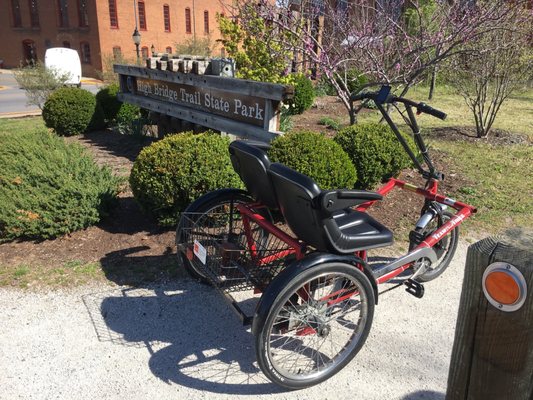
(283, 292)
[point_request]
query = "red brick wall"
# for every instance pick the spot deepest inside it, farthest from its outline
(155, 33)
(100, 36)
(49, 34)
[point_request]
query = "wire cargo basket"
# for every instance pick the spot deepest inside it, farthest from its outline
(233, 253)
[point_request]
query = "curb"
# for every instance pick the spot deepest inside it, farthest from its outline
(20, 114)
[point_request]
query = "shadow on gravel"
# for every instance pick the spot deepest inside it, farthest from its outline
(193, 337)
(425, 395)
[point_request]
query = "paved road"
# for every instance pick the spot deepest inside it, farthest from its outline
(13, 101)
(181, 341)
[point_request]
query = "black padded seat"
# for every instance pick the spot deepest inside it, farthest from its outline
(324, 219)
(251, 163)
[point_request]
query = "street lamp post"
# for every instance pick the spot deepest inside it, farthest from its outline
(136, 35)
(137, 40)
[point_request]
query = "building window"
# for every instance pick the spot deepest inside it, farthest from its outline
(85, 52)
(117, 53)
(66, 44)
(29, 52)
(62, 13)
(83, 14)
(113, 16)
(168, 50)
(188, 28)
(206, 21)
(144, 52)
(34, 14)
(17, 18)
(142, 16)
(166, 17)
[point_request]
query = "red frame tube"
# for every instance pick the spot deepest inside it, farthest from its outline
(297, 247)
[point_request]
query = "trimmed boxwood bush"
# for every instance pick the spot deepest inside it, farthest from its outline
(50, 188)
(171, 173)
(375, 151)
(70, 111)
(315, 155)
(107, 99)
(304, 94)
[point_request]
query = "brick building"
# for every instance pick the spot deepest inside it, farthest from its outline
(101, 29)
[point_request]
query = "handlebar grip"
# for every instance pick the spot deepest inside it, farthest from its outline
(423, 107)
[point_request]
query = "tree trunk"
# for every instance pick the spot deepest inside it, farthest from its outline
(432, 83)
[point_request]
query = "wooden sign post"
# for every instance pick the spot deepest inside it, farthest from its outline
(240, 107)
(492, 355)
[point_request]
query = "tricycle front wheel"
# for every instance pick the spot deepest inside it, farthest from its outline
(317, 323)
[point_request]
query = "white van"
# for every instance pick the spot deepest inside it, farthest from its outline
(64, 60)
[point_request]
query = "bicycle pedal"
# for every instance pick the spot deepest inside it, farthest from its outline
(414, 288)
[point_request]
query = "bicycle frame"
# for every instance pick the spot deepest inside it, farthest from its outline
(382, 274)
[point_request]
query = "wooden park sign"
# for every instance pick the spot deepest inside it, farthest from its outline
(240, 107)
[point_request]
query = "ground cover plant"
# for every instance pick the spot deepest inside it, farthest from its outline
(49, 188)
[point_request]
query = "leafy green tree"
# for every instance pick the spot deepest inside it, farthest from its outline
(254, 45)
(39, 82)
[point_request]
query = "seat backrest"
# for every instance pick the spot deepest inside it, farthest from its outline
(297, 197)
(251, 163)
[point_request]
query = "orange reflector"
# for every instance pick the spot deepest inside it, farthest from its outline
(502, 287)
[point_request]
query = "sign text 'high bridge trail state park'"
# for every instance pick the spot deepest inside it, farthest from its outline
(240, 107)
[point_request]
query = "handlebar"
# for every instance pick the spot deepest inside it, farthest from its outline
(420, 107)
(383, 96)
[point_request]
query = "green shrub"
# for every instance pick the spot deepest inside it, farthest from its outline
(315, 155)
(128, 119)
(375, 151)
(304, 94)
(107, 98)
(49, 188)
(173, 172)
(329, 122)
(70, 111)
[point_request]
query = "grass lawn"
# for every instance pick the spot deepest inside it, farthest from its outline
(516, 115)
(15, 125)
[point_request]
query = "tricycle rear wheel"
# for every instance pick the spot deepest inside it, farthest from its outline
(318, 321)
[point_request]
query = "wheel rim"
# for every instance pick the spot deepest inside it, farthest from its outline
(220, 226)
(309, 337)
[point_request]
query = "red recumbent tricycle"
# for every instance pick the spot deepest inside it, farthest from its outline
(305, 250)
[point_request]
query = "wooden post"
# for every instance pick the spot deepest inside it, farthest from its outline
(492, 355)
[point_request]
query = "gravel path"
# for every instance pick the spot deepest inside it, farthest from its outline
(181, 341)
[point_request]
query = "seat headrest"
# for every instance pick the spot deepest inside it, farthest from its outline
(251, 163)
(302, 181)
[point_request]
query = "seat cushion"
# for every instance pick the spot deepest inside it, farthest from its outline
(351, 230)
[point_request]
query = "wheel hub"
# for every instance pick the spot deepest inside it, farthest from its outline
(324, 330)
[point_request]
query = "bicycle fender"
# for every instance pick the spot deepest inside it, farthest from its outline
(208, 197)
(297, 267)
